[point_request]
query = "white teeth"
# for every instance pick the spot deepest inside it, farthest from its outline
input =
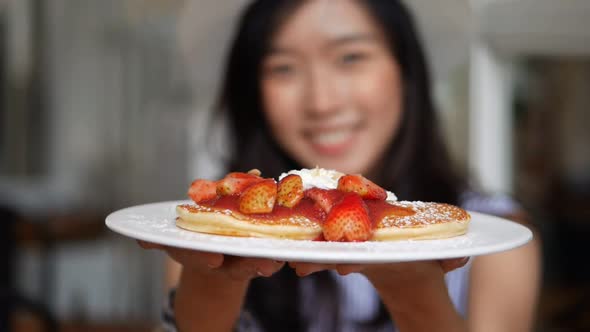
(331, 137)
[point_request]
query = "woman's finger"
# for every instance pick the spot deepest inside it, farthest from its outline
(268, 267)
(449, 265)
(195, 259)
(305, 269)
(149, 245)
(345, 269)
(239, 268)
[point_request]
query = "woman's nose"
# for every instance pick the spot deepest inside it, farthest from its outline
(321, 93)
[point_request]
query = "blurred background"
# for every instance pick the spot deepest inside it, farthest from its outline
(102, 104)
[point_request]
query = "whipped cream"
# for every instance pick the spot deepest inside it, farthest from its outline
(324, 179)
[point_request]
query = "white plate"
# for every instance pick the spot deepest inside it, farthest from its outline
(155, 223)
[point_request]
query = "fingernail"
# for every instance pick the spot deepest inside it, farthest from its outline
(213, 265)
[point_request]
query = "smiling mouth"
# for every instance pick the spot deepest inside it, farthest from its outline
(332, 142)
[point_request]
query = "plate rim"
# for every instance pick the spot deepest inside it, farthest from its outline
(339, 256)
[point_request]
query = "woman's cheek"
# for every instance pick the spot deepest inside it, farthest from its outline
(281, 109)
(380, 85)
(381, 96)
(284, 100)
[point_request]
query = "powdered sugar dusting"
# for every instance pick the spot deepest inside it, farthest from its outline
(427, 213)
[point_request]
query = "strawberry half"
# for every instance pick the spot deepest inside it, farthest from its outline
(202, 190)
(259, 197)
(348, 221)
(324, 198)
(290, 190)
(362, 186)
(235, 183)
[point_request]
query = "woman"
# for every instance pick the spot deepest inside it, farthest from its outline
(343, 85)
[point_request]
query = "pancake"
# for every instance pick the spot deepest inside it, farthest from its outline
(208, 220)
(430, 221)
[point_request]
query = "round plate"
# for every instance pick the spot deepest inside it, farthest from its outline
(155, 223)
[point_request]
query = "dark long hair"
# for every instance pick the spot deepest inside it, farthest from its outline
(416, 165)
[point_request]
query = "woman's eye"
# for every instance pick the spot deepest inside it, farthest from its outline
(350, 58)
(280, 69)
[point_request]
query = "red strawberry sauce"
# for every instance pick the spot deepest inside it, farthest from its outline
(307, 208)
(379, 209)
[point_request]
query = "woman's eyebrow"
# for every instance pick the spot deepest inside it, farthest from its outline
(333, 42)
(351, 38)
(278, 50)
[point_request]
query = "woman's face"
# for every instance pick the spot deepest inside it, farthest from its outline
(331, 87)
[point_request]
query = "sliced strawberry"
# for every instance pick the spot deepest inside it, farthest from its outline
(362, 186)
(290, 190)
(259, 197)
(235, 183)
(348, 221)
(202, 190)
(324, 198)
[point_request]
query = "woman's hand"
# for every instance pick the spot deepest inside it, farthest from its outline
(212, 286)
(304, 269)
(217, 265)
(395, 280)
(409, 290)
